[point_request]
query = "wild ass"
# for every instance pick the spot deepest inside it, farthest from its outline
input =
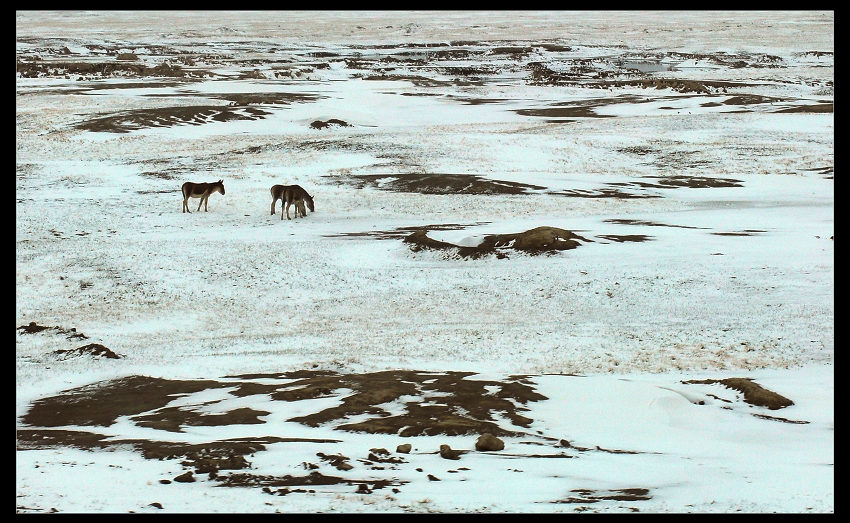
(202, 191)
(289, 195)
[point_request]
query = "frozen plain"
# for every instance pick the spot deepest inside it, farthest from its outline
(680, 282)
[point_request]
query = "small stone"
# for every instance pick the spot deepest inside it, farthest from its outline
(155, 504)
(488, 441)
(185, 478)
(432, 477)
(380, 452)
(404, 448)
(447, 452)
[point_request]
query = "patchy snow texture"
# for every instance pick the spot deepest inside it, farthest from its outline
(681, 166)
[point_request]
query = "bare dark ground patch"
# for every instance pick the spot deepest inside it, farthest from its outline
(580, 108)
(754, 394)
(333, 122)
(33, 328)
(540, 240)
(450, 404)
(92, 349)
(467, 410)
(746, 232)
(265, 98)
(437, 183)
(695, 182)
(622, 238)
(39, 69)
(822, 107)
(623, 221)
(401, 232)
(603, 193)
(581, 496)
(423, 81)
(127, 121)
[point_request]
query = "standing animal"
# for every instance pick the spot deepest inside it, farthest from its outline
(202, 191)
(289, 195)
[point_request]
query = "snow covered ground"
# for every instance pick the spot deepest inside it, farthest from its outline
(705, 204)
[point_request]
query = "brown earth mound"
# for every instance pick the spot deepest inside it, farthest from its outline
(92, 349)
(438, 183)
(127, 121)
(754, 394)
(319, 124)
(539, 240)
(33, 328)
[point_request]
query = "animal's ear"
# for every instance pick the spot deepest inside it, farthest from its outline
(220, 181)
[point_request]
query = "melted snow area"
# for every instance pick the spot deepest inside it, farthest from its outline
(606, 239)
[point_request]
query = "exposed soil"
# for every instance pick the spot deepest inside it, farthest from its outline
(127, 121)
(319, 124)
(822, 107)
(468, 409)
(696, 182)
(603, 193)
(747, 232)
(449, 403)
(620, 238)
(92, 349)
(594, 496)
(754, 394)
(266, 98)
(623, 221)
(401, 232)
(37, 69)
(540, 240)
(582, 109)
(33, 328)
(438, 183)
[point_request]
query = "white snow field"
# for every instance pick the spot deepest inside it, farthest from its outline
(692, 153)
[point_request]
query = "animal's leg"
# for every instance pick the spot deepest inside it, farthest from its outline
(288, 203)
(206, 202)
(186, 205)
(274, 202)
(201, 202)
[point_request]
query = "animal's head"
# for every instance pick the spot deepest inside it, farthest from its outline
(309, 201)
(220, 185)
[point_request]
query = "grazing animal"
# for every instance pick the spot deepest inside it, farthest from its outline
(289, 195)
(202, 191)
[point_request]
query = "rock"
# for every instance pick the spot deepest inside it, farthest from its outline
(447, 452)
(185, 478)
(488, 441)
(380, 452)
(404, 448)
(432, 477)
(155, 504)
